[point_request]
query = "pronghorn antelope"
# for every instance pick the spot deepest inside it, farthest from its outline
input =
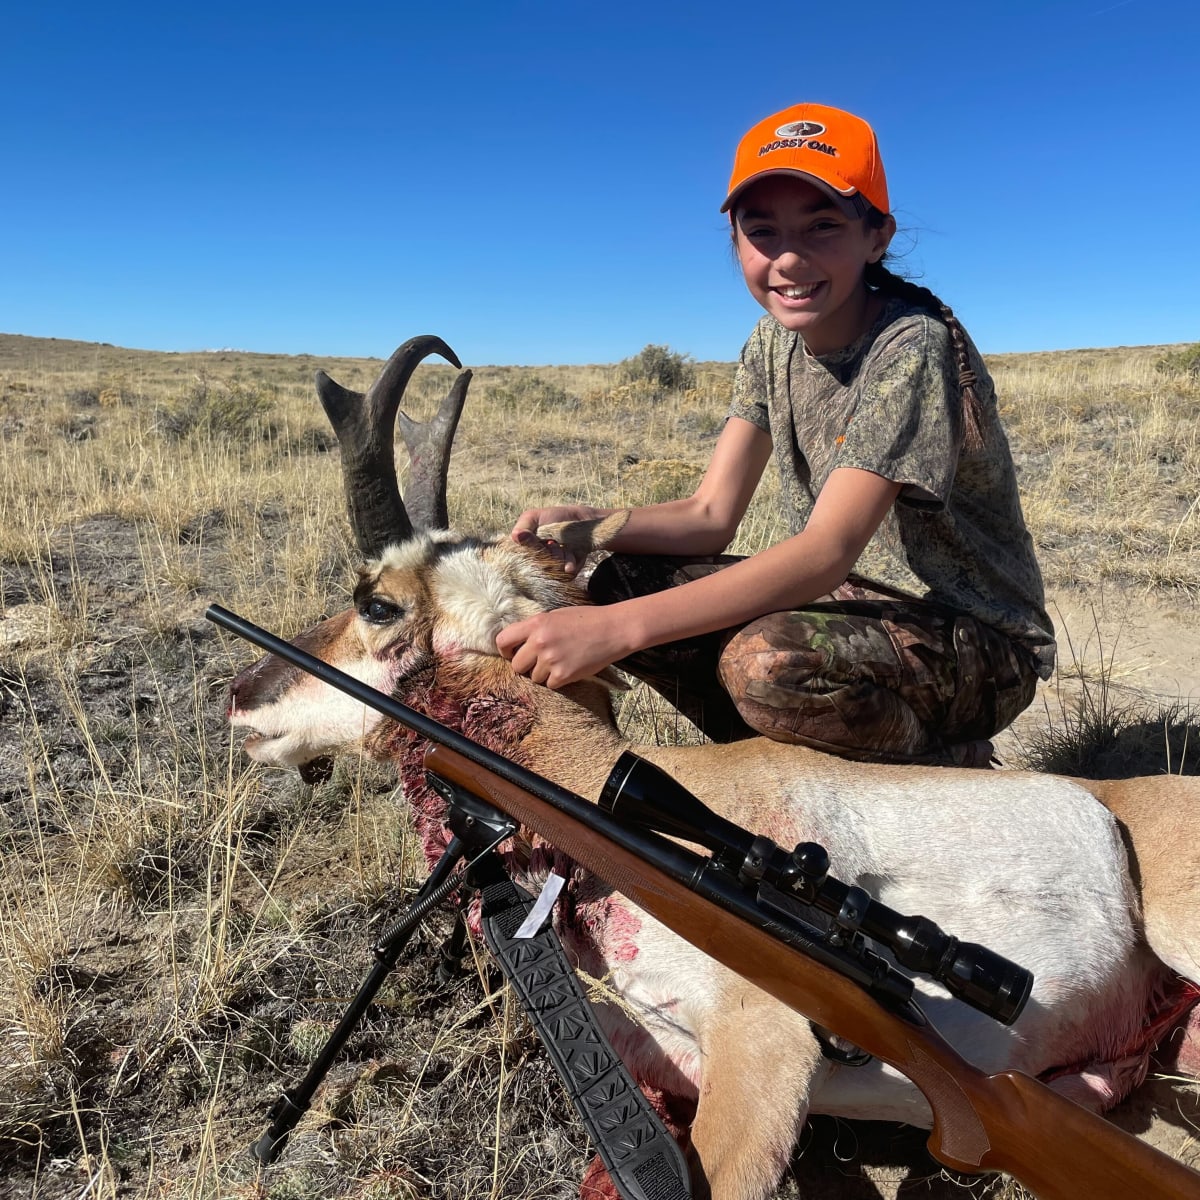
(1094, 886)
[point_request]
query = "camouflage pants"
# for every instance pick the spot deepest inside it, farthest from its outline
(864, 673)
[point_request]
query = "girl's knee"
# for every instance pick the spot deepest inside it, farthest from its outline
(795, 679)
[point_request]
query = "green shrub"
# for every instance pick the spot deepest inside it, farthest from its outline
(1186, 360)
(218, 411)
(659, 365)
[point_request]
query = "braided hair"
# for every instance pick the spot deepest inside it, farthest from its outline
(878, 278)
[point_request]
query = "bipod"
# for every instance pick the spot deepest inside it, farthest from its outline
(477, 829)
(643, 1160)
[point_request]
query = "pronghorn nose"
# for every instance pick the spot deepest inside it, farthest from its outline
(235, 696)
(239, 687)
(260, 683)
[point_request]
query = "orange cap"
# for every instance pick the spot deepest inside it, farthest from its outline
(831, 148)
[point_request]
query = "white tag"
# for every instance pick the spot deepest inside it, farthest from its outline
(541, 907)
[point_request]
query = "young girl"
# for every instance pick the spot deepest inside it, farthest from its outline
(903, 619)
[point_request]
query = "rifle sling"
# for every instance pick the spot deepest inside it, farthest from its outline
(644, 1161)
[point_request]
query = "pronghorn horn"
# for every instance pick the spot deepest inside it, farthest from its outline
(365, 428)
(429, 445)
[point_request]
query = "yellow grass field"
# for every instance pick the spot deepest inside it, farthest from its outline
(179, 931)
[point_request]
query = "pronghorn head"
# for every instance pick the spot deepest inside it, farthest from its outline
(428, 603)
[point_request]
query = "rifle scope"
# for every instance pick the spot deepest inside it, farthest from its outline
(642, 794)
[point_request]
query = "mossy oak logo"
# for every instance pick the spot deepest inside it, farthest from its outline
(798, 135)
(800, 129)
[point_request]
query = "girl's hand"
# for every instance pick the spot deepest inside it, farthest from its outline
(531, 518)
(559, 647)
(525, 530)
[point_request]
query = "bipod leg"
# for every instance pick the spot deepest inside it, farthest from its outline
(451, 953)
(294, 1102)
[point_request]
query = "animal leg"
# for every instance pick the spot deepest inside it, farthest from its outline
(1159, 818)
(760, 1061)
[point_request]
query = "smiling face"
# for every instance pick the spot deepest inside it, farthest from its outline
(802, 257)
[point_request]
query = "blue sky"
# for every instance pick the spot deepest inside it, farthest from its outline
(539, 182)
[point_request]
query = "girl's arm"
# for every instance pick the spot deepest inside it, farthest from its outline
(559, 647)
(703, 523)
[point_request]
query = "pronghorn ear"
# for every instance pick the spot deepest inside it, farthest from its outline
(582, 537)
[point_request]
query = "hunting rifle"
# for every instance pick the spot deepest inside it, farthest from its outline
(737, 906)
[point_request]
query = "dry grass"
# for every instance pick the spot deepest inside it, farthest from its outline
(178, 932)
(1109, 451)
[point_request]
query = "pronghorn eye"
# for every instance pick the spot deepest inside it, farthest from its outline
(379, 612)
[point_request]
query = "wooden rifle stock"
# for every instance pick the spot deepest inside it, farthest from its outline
(1005, 1122)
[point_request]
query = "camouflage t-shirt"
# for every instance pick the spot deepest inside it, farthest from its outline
(889, 403)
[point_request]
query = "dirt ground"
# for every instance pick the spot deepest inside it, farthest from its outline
(1145, 647)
